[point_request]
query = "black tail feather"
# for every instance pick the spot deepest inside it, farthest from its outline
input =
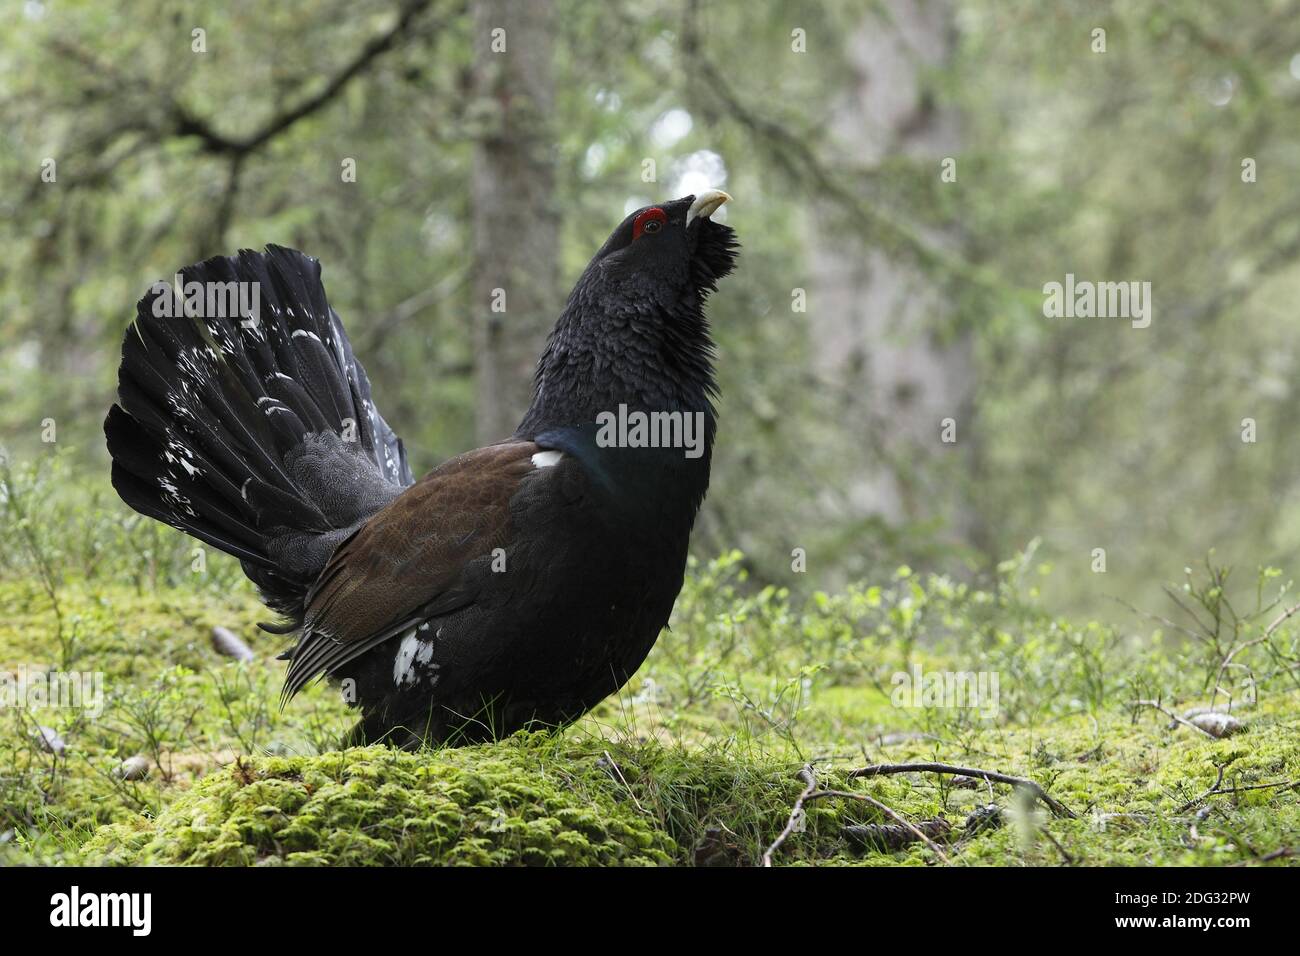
(252, 429)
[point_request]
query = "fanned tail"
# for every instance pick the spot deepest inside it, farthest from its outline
(244, 419)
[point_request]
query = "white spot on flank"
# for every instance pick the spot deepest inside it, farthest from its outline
(410, 652)
(547, 459)
(404, 663)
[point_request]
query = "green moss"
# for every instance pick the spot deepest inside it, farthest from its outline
(373, 806)
(694, 763)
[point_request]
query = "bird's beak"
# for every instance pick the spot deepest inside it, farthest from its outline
(706, 203)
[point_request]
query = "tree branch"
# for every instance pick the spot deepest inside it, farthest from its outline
(187, 124)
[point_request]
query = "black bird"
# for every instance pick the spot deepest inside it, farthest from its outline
(515, 585)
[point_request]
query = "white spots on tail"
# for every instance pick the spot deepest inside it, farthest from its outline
(191, 469)
(176, 452)
(172, 495)
(177, 404)
(270, 404)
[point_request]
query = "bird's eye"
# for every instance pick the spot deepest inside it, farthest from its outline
(650, 221)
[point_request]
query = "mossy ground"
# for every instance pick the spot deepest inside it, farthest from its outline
(367, 806)
(694, 763)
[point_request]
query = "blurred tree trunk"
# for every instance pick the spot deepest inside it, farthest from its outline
(516, 230)
(880, 330)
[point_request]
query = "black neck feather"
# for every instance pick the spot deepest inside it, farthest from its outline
(605, 353)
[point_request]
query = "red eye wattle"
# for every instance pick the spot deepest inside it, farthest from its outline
(648, 223)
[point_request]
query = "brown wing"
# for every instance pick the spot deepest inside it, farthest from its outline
(407, 562)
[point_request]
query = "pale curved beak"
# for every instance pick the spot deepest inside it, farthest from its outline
(706, 203)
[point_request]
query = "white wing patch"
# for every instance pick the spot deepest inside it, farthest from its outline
(547, 459)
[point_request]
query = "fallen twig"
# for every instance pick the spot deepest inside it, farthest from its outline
(1217, 791)
(1279, 854)
(892, 814)
(1214, 787)
(811, 793)
(894, 836)
(1057, 843)
(796, 812)
(878, 770)
(1156, 705)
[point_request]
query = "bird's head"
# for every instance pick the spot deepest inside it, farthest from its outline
(634, 330)
(666, 251)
